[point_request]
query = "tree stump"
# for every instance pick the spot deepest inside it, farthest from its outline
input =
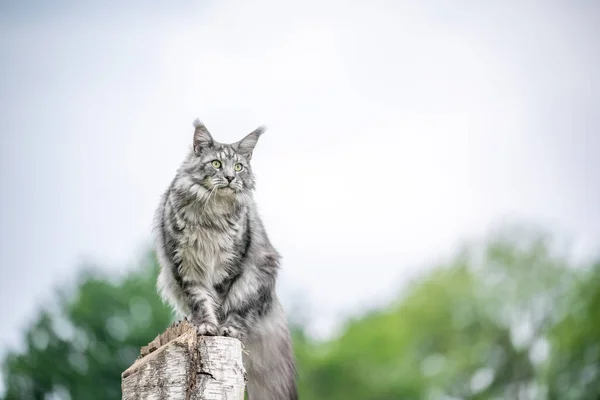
(180, 365)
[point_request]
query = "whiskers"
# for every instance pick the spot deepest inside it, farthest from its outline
(219, 183)
(236, 185)
(218, 190)
(211, 193)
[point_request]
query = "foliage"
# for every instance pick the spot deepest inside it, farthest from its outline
(575, 369)
(471, 329)
(80, 351)
(508, 318)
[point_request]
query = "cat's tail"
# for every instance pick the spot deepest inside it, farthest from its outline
(270, 362)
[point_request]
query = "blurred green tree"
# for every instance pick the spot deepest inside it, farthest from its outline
(508, 318)
(574, 370)
(79, 351)
(478, 327)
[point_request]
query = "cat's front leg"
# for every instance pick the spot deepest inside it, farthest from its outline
(236, 323)
(249, 297)
(202, 305)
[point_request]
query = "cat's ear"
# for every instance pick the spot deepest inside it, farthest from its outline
(246, 146)
(202, 138)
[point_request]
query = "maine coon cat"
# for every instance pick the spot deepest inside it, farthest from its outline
(218, 266)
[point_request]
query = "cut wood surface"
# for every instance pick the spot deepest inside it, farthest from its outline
(180, 365)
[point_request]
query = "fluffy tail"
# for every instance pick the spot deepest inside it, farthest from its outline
(270, 362)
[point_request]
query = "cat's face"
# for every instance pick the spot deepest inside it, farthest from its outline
(222, 169)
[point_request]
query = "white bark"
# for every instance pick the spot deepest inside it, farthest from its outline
(179, 365)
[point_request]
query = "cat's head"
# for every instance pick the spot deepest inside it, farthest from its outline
(223, 169)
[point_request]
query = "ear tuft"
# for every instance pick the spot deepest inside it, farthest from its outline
(260, 130)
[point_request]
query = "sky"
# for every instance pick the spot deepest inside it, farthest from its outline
(397, 130)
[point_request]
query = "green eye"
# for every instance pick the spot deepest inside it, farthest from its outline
(216, 164)
(238, 167)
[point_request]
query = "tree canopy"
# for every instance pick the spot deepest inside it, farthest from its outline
(509, 318)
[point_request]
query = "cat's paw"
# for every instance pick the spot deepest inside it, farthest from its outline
(206, 329)
(230, 331)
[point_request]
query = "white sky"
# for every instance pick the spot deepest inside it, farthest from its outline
(396, 130)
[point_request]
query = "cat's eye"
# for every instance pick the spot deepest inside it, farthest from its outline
(216, 164)
(238, 167)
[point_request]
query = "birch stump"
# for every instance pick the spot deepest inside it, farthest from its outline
(180, 365)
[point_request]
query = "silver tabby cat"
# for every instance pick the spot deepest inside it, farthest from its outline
(218, 266)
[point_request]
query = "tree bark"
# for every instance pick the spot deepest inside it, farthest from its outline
(180, 365)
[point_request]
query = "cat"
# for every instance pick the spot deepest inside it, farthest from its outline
(217, 265)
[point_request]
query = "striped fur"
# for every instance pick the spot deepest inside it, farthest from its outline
(218, 266)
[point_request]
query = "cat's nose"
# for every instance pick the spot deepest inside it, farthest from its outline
(230, 178)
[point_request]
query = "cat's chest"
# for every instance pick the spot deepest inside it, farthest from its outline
(205, 252)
